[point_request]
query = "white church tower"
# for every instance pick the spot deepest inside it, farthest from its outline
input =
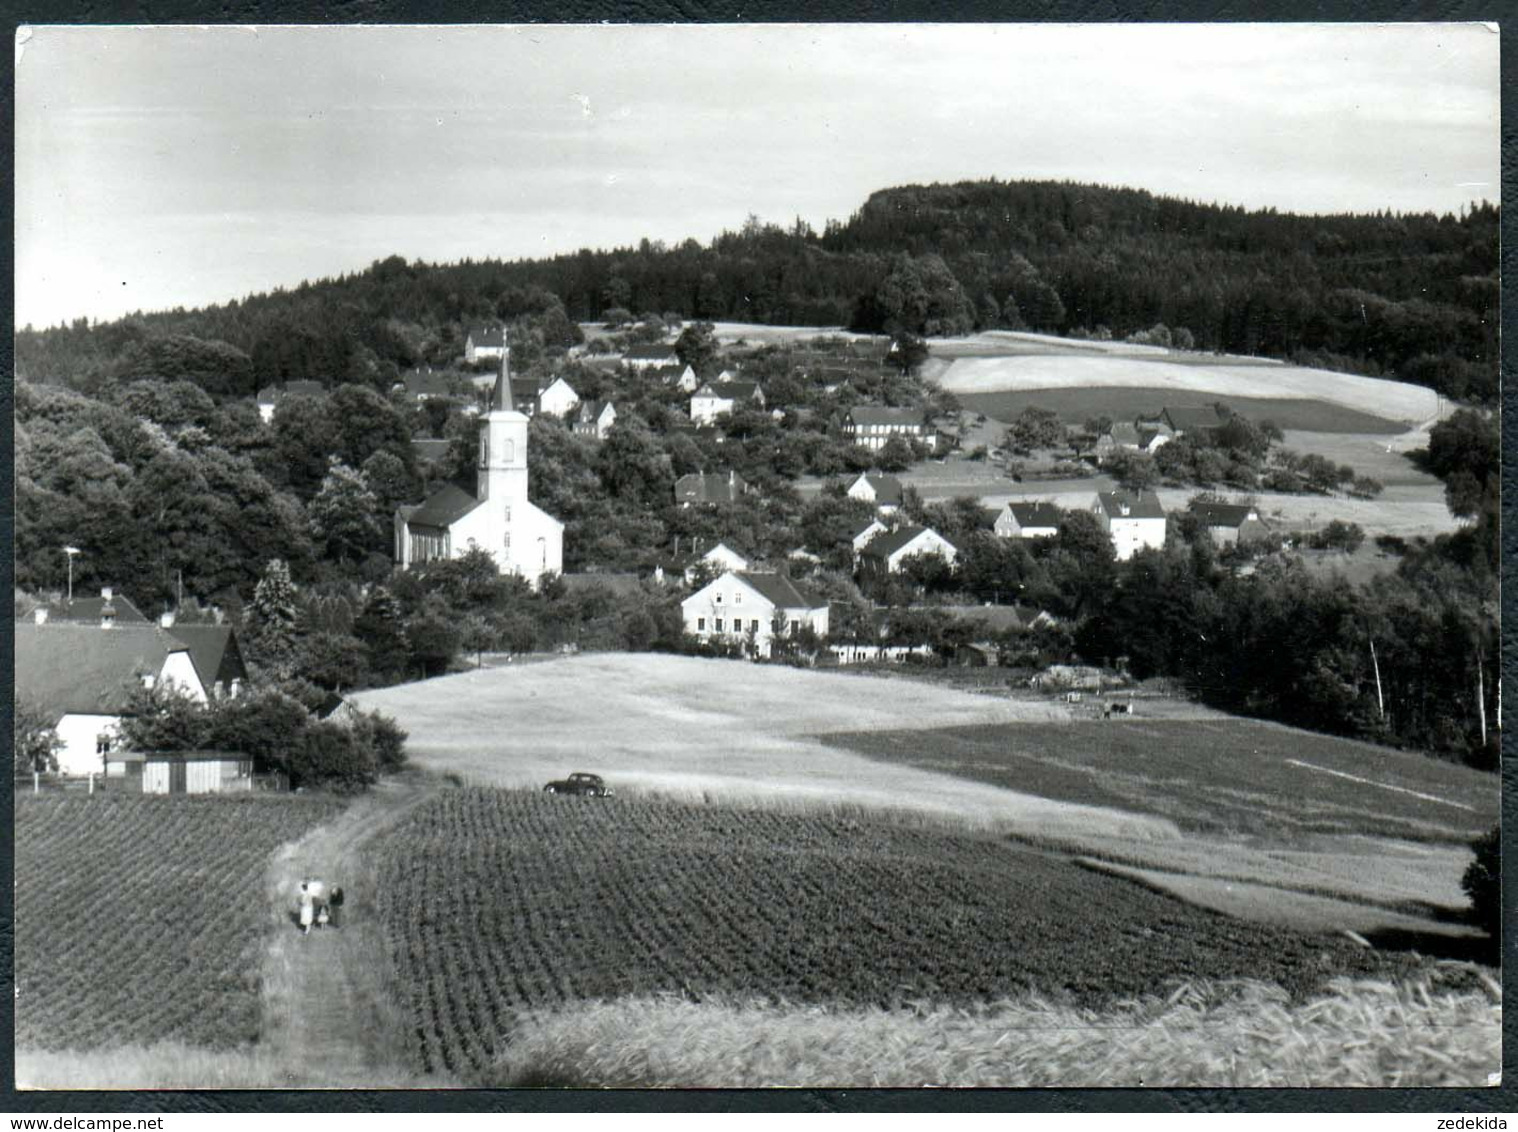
(499, 518)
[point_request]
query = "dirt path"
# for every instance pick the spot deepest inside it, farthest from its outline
(330, 1020)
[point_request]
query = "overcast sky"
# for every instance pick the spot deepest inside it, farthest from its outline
(183, 166)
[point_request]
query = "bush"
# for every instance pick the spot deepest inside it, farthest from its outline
(384, 739)
(1483, 882)
(332, 756)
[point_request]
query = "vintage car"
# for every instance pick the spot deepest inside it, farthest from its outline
(591, 785)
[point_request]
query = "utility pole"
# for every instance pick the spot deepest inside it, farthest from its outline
(1376, 665)
(1481, 693)
(69, 552)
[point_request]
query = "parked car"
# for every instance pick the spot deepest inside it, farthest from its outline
(591, 785)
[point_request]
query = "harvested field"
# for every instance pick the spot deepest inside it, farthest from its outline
(692, 728)
(1078, 404)
(503, 902)
(1219, 378)
(142, 920)
(1236, 777)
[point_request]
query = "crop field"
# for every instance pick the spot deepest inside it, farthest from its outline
(1076, 405)
(141, 919)
(1216, 378)
(501, 903)
(1236, 777)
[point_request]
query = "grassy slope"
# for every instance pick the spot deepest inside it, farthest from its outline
(1077, 404)
(691, 728)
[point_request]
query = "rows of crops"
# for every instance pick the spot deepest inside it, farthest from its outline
(502, 901)
(1230, 775)
(142, 919)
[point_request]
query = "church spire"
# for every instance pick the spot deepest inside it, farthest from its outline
(500, 396)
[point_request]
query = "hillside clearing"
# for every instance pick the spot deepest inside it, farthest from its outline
(1390, 400)
(685, 727)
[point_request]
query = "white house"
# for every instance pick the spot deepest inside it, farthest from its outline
(721, 559)
(872, 426)
(272, 396)
(681, 377)
(1132, 522)
(1027, 520)
(81, 677)
(883, 491)
(653, 356)
(884, 554)
(595, 419)
(863, 536)
(558, 398)
(753, 608)
(485, 344)
(713, 401)
(498, 517)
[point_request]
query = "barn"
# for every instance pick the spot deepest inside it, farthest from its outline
(185, 772)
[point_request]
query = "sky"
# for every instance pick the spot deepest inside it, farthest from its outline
(164, 167)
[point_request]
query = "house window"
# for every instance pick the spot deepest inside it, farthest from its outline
(754, 625)
(738, 597)
(508, 542)
(718, 600)
(718, 624)
(795, 625)
(103, 743)
(508, 512)
(700, 624)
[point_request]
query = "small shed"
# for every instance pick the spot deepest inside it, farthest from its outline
(190, 772)
(977, 655)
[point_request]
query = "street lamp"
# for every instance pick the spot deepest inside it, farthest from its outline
(70, 551)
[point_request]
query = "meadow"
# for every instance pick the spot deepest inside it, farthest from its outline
(499, 904)
(141, 920)
(1077, 404)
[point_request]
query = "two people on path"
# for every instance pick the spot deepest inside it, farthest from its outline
(316, 906)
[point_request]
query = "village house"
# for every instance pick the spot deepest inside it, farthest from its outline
(862, 537)
(720, 559)
(1027, 520)
(558, 398)
(881, 490)
(885, 553)
(498, 517)
(872, 426)
(709, 487)
(1128, 436)
(1133, 522)
(484, 344)
(756, 609)
(1229, 523)
(713, 401)
(272, 396)
(654, 356)
(524, 392)
(418, 386)
(680, 377)
(1203, 419)
(594, 419)
(81, 675)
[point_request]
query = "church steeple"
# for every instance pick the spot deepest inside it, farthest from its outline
(500, 396)
(501, 475)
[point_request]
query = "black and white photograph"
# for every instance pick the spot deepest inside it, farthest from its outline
(710, 556)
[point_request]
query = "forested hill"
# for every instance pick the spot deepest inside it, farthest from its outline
(1408, 296)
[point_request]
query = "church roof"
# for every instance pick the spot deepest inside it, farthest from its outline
(443, 508)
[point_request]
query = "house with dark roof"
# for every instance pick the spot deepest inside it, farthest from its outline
(680, 377)
(885, 553)
(421, 385)
(214, 652)
(81, 677)
(723, 398)
(1131, 436)
(650, 356)
(872, 426)
(1027, 519)
(1195, 418)
(861, 538)
(881, 490)
(484, 344)
(710, 488)
(753, 609)
(1229, 523)
(595, 419)
(558, 398)
(1133, 521)
(109, 608)
(270, 397)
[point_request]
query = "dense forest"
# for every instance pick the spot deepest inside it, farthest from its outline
(1414, 297)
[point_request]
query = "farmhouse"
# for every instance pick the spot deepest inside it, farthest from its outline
(558, 398)
(754, 608)
(720, 559)
(863, 536)
(883, 491)
(1132, 522)
(498, 518)
(1203, 419)
(484, 344)
(680, 377)
(1229, 523)
(885, 553)
(1027, 520)
(871, 426)
(713, 401)
(82, 676)
(652, 356)
(1128, 436)
(595, 419)
(710, 488)
(272, 396)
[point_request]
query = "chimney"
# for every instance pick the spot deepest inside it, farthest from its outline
(1123, 508)
(107, 615)
(39, 615)
(166, 619)
(107, 593)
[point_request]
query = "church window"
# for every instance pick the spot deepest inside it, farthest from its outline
(508, 541)
(510, 451)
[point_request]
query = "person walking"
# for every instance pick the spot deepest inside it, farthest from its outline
(307, 908)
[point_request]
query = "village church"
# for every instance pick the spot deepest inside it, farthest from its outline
(498, 517)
